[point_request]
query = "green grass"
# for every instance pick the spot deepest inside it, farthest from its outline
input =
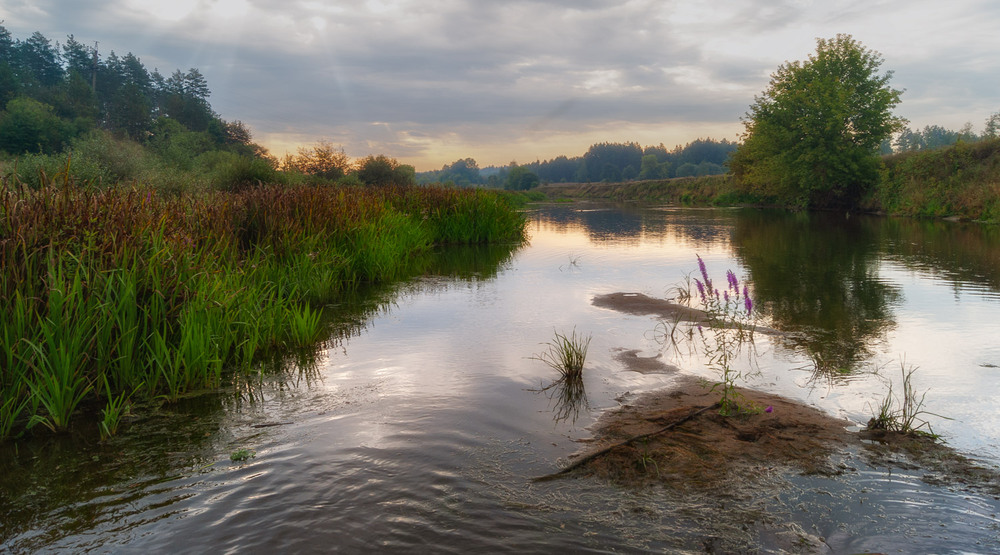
(126, 289)
(566, 354)
(962, 180)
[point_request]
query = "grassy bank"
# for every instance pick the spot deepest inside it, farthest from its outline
(960, 181)
(695, 191)
(111, 295)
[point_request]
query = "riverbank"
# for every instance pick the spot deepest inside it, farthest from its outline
(675, 439)
(123, 294)
(958, 182)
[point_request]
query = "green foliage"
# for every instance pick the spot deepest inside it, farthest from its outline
(242, 172)
(381, 171)
(992, 128)
(242, 455)
(566, 354)
(959, 180)
(154, 295)
(323, 161)
(31, 126)
(51, 98)
(114, 411)
(933, 136)
(520, 178)
(652, 168)
(813, 136)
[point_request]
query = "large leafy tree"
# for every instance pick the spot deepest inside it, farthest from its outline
(813, 137)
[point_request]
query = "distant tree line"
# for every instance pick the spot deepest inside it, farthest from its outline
(935, 136)
(603, 162)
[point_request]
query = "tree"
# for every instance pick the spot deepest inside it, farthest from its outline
(606, 161)
(38, 61)
(520, 178)
(992, 129)
(462, 172)
(652, 168)
(185, 98)
(812, 137)
(381, 170)
(31, 126)
(322, 160)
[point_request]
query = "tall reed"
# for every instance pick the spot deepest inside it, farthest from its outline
(159, 295)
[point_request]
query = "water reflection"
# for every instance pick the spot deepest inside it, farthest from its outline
(568, 396)
(65, 486)
(628, 224)
(817, 276)
(959, 253)
(423, 434)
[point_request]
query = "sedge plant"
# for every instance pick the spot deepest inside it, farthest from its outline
(566, 354)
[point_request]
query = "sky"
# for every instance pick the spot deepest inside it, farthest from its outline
(429, 82)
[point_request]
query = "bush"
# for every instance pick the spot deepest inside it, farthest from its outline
(242, 173)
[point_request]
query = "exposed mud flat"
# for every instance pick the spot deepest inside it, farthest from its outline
(677, 440)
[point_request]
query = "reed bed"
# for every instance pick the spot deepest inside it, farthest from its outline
(112, 293)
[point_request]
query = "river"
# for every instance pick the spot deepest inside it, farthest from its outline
(419, 423)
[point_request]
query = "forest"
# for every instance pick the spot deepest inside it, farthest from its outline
(606, 162)
(106, 120)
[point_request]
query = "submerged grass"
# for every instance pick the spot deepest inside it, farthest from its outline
(111, 290)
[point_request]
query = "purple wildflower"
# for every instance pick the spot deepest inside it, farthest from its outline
(769, 409)
(746, 300)
(734, 283)
(725, 295)
(701, 288)
(704, 273)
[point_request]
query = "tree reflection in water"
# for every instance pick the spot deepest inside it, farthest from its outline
(817, 277)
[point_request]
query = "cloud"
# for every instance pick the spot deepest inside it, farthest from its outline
(423, 79)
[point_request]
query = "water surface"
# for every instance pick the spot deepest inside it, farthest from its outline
(419, 424)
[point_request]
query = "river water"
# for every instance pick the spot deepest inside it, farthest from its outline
(419, 424)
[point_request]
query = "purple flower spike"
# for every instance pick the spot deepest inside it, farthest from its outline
(701, 288)
(704, 273)
(746, 300)
(733, 282)
(725, 295)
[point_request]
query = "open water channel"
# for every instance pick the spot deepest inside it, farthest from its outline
(418, 425)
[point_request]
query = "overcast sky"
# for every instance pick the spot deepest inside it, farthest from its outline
(432, 81)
